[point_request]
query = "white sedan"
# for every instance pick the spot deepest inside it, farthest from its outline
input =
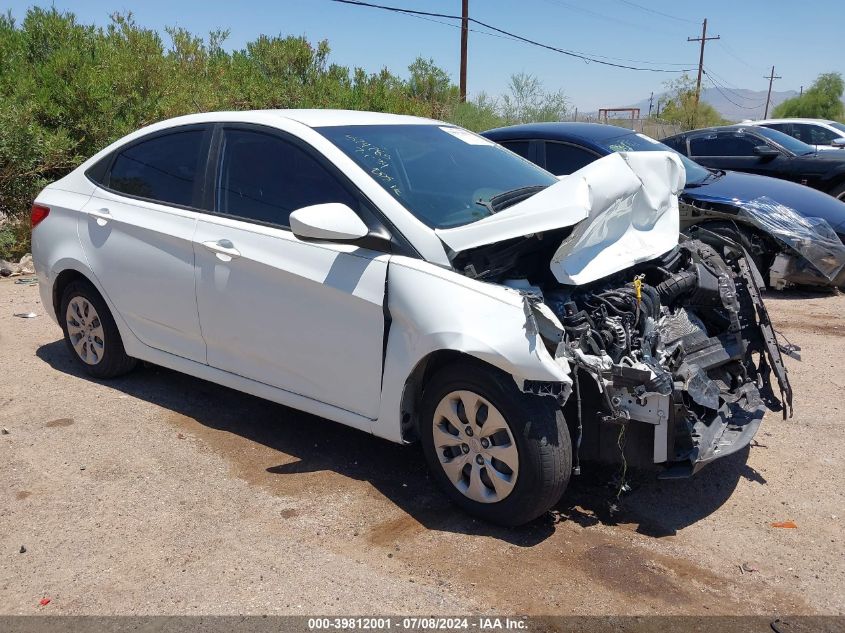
(413, 280)
(822, 134)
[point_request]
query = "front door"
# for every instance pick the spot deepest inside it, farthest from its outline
(303, 316)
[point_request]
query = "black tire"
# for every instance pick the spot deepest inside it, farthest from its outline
(838, 191)
(539, 431)
(113, 360)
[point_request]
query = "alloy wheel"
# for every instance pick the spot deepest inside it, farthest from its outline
(476, 447)
(85, 330)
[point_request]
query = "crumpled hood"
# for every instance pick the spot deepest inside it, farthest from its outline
(624, 208)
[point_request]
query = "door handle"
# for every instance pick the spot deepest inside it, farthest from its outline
(224, 249)
(101, 215)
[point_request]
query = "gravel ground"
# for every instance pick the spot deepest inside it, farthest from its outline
(162, 494)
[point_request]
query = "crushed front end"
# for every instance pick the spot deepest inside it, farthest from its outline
(678, 353)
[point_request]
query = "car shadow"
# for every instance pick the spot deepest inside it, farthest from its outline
(400, 473)
(800, 293)
(655, 507)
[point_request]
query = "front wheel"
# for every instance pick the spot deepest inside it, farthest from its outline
(838, 192)
(500, 454)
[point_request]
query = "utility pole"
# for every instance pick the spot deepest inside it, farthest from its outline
(650, 100)
(771, 78)
(703, 39)
(464, 35)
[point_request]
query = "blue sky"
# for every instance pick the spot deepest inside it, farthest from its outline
(755, 35)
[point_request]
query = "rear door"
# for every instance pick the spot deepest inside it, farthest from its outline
(563, 159)
(303, 316)
(525, 148)
(137, 233)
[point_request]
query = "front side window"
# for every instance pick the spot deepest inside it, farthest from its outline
(563, 159)
(264, 178)
(799, 148)
(444, 175)
(163, 169)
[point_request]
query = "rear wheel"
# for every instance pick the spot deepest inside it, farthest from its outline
(91, 333)
(500, 454)
(838, 192)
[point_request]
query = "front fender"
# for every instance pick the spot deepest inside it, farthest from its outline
(434, 309)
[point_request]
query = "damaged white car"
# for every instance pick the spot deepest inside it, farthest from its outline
(411, 279)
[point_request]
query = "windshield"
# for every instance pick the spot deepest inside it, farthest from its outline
(696, 174)
(444, 175)
(785, 140)
(839, 126)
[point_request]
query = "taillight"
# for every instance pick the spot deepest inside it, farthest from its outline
(39, 212)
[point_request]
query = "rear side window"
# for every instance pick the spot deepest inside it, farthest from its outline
(518, 147)
(786, 128)
(563, 159)
(163, 168)
(734, 144)
(265, 178)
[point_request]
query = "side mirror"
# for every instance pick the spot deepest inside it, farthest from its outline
(766, 152)
(838, 142)
(332, 221)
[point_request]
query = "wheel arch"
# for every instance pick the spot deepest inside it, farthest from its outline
(771, 246)
(420, 377)
(416, 382)
(62, 281)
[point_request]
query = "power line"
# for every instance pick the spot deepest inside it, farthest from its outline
(724, 84)
(601, 16)
(727, 98)
(733, 54)
(514, 39)
(656, 12)
(570, 53)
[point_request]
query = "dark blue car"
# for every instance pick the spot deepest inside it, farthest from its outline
(774, 219)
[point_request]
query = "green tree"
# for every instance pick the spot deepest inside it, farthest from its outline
(681, 108)
(823, 100)
(527, 101)
(478, 114)
(69, 89)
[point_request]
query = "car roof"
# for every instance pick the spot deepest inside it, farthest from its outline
(561, 131)
(715, 128)
(309, 117)
(790, 120)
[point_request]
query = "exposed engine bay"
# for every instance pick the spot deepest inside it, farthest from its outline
(678, 349)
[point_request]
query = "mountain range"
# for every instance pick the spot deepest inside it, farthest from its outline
(734, 104)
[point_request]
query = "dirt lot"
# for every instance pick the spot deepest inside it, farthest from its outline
(162, 494)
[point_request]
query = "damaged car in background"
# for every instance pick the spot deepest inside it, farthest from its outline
(416, 281)
(793, 233)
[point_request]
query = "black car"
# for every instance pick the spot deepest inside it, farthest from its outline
(773, 219)
(761, 150)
